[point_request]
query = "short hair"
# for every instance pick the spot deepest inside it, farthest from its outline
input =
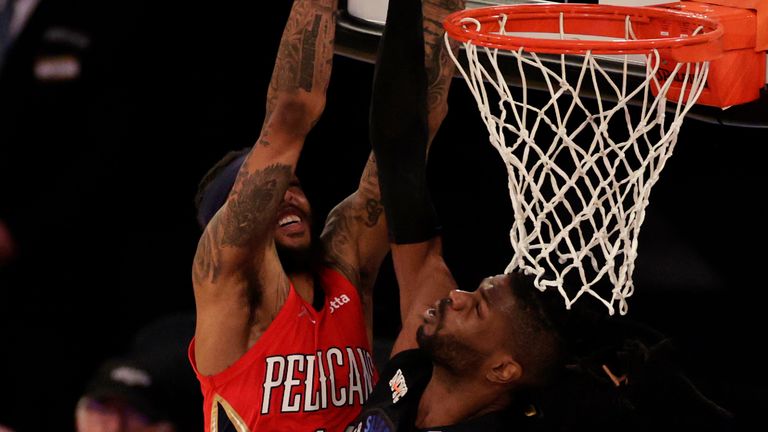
(214, 188)
(537, 342)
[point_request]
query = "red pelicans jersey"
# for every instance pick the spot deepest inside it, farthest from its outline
(310, 370)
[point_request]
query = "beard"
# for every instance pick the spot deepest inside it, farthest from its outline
(447, 350)
(297, 260)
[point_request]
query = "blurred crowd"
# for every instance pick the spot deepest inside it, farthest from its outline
(110, 113)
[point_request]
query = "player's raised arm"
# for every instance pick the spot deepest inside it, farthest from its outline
(408, 105)
(239, 282)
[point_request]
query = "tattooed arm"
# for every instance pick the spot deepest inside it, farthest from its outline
(355, 236)
(408, 105)
(421, 265)
(239, 282)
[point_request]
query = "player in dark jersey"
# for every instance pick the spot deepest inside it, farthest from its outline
(475, 361)
(455, 365)
(283, 331)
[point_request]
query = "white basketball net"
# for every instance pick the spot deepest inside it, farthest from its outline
(579, 193)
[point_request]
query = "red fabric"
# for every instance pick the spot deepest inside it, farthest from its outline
(321, 359)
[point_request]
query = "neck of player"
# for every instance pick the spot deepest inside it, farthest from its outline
(449, 399)
(303, 283)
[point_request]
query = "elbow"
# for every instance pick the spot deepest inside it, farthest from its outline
(297, 113)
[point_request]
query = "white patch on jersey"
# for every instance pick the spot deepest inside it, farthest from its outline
(398, 386)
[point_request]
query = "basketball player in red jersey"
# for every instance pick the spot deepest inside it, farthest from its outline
(283, 337)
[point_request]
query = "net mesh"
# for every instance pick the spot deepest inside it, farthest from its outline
(581, 161)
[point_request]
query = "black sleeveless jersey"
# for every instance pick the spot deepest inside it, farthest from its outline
(393, 404)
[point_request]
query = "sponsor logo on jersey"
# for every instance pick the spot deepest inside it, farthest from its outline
(338, 302)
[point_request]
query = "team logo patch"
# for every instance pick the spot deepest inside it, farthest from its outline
(398, 386)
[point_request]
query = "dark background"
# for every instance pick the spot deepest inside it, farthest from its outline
(98, 175)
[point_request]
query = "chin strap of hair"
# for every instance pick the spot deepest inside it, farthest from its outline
(399, 131)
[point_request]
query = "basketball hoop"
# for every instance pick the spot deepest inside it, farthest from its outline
(580, 172)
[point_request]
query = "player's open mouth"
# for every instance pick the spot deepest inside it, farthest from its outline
(288, 220)
(291, 221)
(430, 314)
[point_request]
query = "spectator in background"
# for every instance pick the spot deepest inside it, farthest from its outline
(82, 84)
(125, 395)
(49, 166)
(151, 389)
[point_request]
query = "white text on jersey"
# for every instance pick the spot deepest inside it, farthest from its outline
(308, 382)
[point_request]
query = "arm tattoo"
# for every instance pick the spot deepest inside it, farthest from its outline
(374, 209)
(307, 70)
(440, 67)
(337, 242)
(253, 203)
(369, 188)
(206, 266)
(305, 56)
(371, 173)
(357, 216)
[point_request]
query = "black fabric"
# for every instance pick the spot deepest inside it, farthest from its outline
(154, 377)
(382, 414)
(133, 381)
(655, 392)
(398, 125)
(224, 422)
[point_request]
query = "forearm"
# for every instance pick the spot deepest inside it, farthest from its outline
(355, 233)
(305, 57)
(423, 278)
(398, 125)
(371, 231)
(296, 97)
(232, 237)
(295, 100)
(238, 278)
(440, 68)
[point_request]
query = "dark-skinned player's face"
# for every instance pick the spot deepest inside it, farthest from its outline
(465, 328)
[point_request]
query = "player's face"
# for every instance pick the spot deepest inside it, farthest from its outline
(293, 223)
(465, 328)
